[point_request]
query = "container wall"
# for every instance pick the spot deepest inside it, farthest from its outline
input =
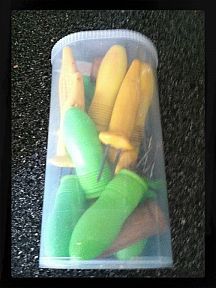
(150, 163)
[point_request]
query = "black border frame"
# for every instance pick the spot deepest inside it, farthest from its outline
(210, 132)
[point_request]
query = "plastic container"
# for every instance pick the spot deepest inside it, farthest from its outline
(117, 196)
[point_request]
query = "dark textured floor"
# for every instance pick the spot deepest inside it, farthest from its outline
(179, 38)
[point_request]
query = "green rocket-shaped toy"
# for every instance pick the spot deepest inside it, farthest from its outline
(83, 145)
(101, 223)
(69, 205)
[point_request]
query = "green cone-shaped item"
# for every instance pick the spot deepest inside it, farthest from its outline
(132, 251)
(83, 145)
(135, 249)
(69, 205)
(89, 87)
(101, 223)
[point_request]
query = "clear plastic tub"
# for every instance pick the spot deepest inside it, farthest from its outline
(118, 218)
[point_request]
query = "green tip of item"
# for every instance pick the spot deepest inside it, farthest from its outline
(132, 251)
(156, 185)
(149, 193)
(89, 87)
(100, 224)
(84, 147)
(69, 205)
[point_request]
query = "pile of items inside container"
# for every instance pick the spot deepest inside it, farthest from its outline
(106, 208)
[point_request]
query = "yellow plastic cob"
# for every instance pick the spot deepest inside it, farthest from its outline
(109, 78)
(71, 93)
(125, 111)
(147, 80)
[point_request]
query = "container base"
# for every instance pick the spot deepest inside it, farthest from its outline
(145, 263)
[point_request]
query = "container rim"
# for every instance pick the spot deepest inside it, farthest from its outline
(100, 34)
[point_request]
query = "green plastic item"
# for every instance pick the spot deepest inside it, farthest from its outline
(135, 249)
(89, 87)
(83, 145)
(69, 205)
(132, 251)
(101, 223)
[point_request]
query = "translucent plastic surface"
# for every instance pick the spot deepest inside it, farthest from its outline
(120, 221)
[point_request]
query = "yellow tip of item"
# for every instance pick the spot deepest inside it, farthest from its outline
(75, 92)
(147, 81)
(68, 62)
(71, 94)
(62, 161)
(124, 113)
(147, 87)
(71, 86)
(127, 102)
(115, 140)
(110, 75)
